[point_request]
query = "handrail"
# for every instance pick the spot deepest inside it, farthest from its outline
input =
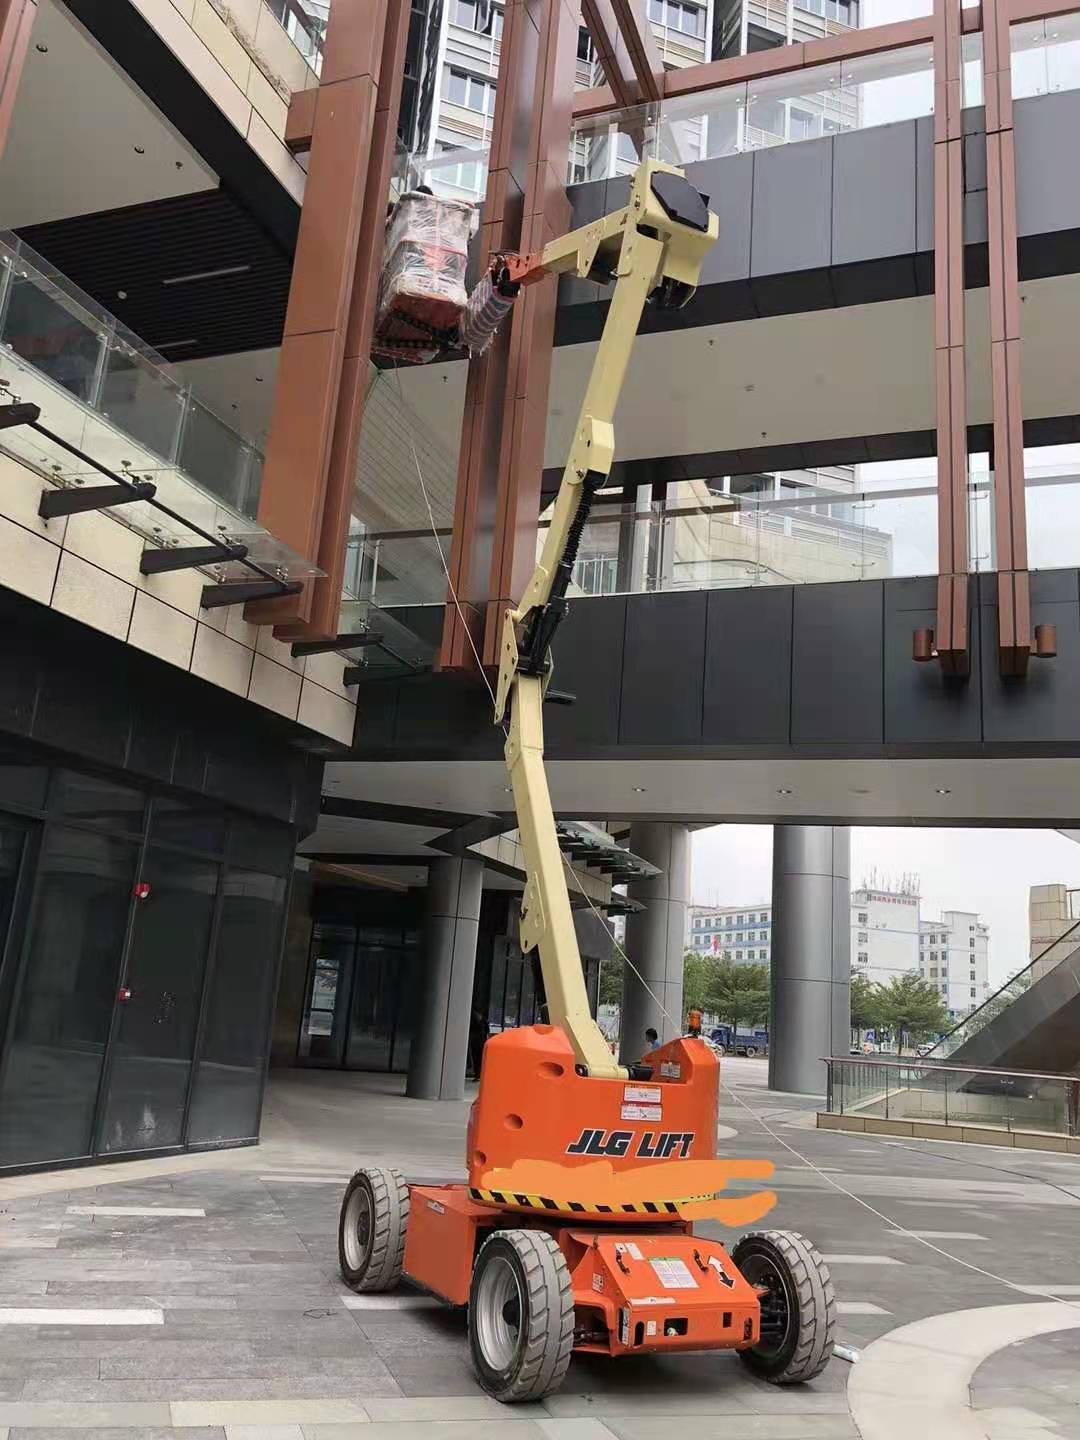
(960, 1024)
(282, 586)
(919, 1064)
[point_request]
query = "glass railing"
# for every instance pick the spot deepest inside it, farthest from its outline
(91, 373)
(1045, 56)
(703, 538)
(1052, 494)
(304, 21)
(925, 1093)
(1052, 954)
(805, 104)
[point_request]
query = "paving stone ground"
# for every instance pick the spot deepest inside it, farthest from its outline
(250, 1338)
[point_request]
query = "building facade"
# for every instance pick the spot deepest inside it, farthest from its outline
(889, 938)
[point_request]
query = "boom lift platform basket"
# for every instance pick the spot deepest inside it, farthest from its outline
(575, 1229)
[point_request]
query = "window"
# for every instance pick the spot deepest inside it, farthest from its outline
(862, 957)
(973, 992)
(585, 49)
(861, 937)
(971, 942)
(677, 15)
(933, 955)
(727, 954)
(731, 919)
(477, 15)
(863, 918)
(738, 954)
(739, 920)
(762, 954)
(803, 124)
(763, 917)
(763, 935)
(933, 972)
(470, 91)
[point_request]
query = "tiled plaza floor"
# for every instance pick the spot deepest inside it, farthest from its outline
(230, 1321)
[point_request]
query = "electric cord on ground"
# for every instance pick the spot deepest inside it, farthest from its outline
(897, 1225)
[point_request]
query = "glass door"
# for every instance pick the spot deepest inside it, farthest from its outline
(63, 997)
(326, 1014)
(150, 1056)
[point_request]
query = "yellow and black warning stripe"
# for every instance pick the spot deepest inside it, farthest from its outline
(579, 1207)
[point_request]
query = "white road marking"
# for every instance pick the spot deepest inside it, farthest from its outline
(391, 1302)
(916, 1380)
(861, 1260)
(10, 1316)
(174, 1212)
(305, 1179)
(859, 1307)
(939, 1234)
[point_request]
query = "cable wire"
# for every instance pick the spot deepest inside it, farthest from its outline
(442, 556)
(897, 1225)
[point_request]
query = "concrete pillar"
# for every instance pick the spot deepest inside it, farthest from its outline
(447, 963)
(811, 954)
(656, 938)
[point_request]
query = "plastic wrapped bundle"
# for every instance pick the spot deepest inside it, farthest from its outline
(484, 314)
(422, 287)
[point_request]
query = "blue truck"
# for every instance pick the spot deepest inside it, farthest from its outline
(727, 1041)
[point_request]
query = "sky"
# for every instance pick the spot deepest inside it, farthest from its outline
(989, 871)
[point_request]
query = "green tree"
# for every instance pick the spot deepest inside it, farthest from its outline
(611, 980)
(912, 1009)
(738, 993)
(865, 1005)
(697, 980)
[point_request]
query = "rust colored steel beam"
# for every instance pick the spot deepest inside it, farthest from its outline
(300, 123)
(352, 394)
(1010, 510)
(717, 74)
(16, 22)
(611, 51)
(951, 635)
(502, 438)
(293, 497)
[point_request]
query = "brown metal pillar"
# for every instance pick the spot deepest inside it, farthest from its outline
(502, 436)
(951, 636)
(296, 476)
(1010, 511)
(16, 22)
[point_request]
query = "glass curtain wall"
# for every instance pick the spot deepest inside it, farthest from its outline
(361, 990)
(139, 943)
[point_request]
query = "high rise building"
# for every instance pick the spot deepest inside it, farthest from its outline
(954, 956)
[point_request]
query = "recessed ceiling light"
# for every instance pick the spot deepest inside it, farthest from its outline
(783, 792)
(942, 791)
(121, 294)
(42, 49)
(258, 379)
(857, 790)
(139, 149)
(639, 789)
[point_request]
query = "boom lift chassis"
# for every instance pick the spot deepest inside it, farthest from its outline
(551, 1264)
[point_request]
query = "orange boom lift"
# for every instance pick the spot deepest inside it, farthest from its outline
(575, 1231)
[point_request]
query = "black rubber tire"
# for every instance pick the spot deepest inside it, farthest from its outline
(545, 1337)
(750, 1052)
(372, 1262)
(796, 1272)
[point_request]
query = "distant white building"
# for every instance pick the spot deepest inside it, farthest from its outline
(884, 933)
(888, 938)
(954, 954)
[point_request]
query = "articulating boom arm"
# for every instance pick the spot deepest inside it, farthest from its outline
(652, 249)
